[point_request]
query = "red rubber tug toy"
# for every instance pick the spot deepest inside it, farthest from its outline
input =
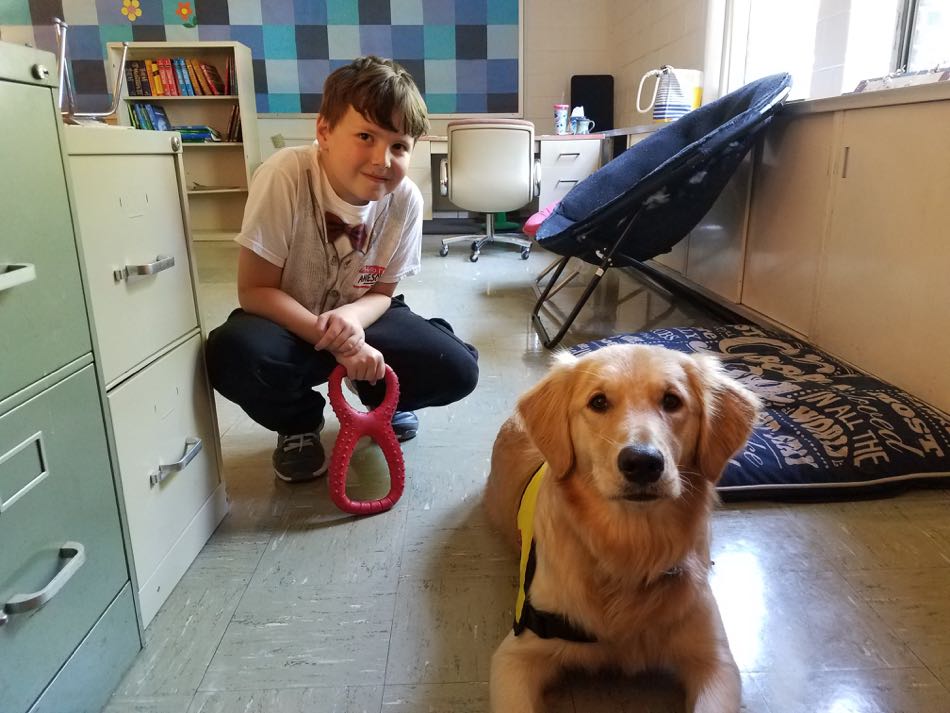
(353, 425)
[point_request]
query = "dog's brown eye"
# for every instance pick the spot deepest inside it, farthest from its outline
(671, 402)
(598, 402)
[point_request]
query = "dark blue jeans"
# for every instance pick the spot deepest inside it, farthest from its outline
(269, 371)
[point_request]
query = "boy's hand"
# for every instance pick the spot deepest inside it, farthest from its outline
(366, 364)
(338, 333)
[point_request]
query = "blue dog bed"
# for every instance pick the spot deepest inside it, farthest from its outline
(827, 431)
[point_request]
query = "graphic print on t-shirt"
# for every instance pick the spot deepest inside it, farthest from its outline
(368, 276)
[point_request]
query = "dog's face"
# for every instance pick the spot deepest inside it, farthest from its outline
(639, 423)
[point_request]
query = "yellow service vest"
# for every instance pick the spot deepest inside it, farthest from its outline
(547, 625)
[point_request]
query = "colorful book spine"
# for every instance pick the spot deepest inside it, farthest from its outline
(199, 75)
(214, 79)
(183, 80)
(154, 78)
(168, 77)
(141, 73)
(192, 77)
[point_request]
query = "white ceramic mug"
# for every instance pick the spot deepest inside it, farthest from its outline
(677, 92)
(581, 125)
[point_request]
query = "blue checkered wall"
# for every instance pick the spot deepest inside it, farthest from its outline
(463, 54)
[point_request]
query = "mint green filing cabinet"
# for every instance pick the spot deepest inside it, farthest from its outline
(68, 628)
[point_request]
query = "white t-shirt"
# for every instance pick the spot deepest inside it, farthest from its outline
(284, 224)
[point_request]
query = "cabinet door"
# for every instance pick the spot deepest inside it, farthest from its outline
(55, 488)
(884, 297)
(790, 201)
(157, 415)
(37, 231)
(716, 244)
(130, 214)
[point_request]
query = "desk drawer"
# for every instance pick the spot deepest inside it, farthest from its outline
(130, 214)
(55, 488)
(37, 234)
(564, 164)
(157, 415)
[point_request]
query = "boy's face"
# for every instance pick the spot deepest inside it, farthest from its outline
(362, 161)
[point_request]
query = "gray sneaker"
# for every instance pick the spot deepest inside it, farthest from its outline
(299, 457)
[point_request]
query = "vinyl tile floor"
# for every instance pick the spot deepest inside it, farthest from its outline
(294, 607)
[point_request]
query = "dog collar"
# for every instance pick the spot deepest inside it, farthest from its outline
(546, 625)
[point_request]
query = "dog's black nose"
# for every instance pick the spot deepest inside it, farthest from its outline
(640, 464)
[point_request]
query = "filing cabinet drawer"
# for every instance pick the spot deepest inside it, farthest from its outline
(43, 324)
(59, 529)
(158, 416)
(130, 220)
(564, 164)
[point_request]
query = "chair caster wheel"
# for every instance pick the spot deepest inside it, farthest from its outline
(525, 252)
(474, 246)
(443, 251)
(473, 257)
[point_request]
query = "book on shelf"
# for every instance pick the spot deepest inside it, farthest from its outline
(193, 77)
(177, 76)
(184, 81)
(199, 75)
(154, 78)
(228, 76)
(198, 133)
(146, 115)
(214, 79)
(168, 78)
(234, 125)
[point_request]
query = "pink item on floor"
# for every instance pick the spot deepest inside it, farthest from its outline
(377, 424)
(534, 222)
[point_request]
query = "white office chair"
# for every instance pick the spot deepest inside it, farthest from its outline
(490, 168)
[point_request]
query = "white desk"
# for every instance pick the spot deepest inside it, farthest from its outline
(565, 161)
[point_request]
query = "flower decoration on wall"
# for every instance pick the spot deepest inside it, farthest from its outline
(185, 12)
(131, 9)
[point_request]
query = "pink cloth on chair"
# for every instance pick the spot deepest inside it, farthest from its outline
(534, 222)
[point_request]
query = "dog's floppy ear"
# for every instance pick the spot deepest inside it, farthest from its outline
(543, 411)
(729, 412)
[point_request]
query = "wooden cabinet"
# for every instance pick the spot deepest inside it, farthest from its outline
(847, 235)
(884, 294)
(564, 164)
(711, 256)
(131, 210)
(216, 174)
(715, 250)
(66, 613)
(792, 199)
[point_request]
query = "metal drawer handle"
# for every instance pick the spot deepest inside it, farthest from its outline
(566, 180)
(15, 273)
(192, 448)
(162, 262)
(573, 153)
(75, 555)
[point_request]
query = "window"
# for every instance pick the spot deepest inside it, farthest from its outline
(929, 30)
(829, 47)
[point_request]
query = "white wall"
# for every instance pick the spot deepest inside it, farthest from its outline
(562, 38)
(646, 34)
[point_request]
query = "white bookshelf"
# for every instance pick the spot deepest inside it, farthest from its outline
(216, 174)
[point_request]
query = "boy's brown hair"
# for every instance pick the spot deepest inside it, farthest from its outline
(380, 90)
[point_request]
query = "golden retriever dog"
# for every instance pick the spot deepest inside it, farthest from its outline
(634, 439)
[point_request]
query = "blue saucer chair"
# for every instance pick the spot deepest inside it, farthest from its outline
(647, 199)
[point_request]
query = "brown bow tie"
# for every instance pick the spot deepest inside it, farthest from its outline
(336, 227)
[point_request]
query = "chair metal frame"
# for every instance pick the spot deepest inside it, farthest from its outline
(617, 215)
